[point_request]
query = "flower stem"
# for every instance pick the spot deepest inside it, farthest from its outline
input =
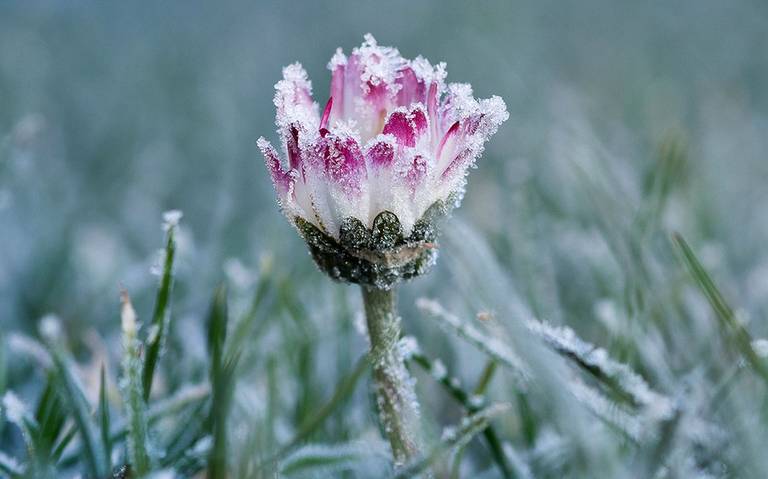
(396, 396)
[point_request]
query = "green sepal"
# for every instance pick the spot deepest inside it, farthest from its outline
(380, 256)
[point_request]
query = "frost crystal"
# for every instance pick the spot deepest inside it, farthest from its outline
(13, 408)
(408, 346)
(565, 341)
(761, 347)
(171, 219)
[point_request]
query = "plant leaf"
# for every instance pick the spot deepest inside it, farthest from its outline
(731, 326)
(132, 392)
(71, 391)
(161, 315)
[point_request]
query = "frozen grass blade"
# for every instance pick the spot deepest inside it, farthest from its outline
(65, 440)
(73, 394)
(602, 407)
(731, 326)
(161, 315)
(490, 346)
(245, 329)
(188, 396)
(15, 412)
(50, 416)
(222, 378)
(343, 390)
(453, 438)
(133, 396)
(104, 416)
(472, 403)
(331, 460)
(617, 377)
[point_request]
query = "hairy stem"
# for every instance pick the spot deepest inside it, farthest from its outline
(396, 397)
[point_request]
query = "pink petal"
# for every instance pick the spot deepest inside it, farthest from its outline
(326, 114)
(338, 66)
(343, 162)
(294, 90)
(292, 147)
(451, 133)
(381, 153)
(432, 105)
(406, 126)
(459, 163)
(416, 173)
(280, 178)
(412, 88)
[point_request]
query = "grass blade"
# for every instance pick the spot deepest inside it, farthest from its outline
(454, 438)
(730, 323)
(133, 396)
(472, 403)
(332, 460)
(161, 409)
(345, 387)
(222, 373)
(50, 416)
(161, 315)
(490, 346)
(73, 394)
(104, 417)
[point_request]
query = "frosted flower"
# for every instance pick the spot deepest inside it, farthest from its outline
(390, 151)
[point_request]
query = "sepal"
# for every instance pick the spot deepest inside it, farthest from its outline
(380, 256)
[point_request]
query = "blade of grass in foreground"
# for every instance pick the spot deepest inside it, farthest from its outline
(161, 315)
(731, 326)
(73, 394)
(50, 416)
(472, 403)
(133, 396)
(104, 417)
(454, 438)
(222, 378)
(345, 387)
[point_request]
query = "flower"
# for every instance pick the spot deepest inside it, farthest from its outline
(389, 152)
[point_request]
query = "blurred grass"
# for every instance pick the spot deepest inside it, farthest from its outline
(628, 122)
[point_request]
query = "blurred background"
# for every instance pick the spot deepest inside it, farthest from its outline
(113, 112)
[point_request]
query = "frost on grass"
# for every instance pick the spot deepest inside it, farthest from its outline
(171, 219)
(491, 346)
(130, 385)
(564, 341)
(653, 406)
(408, 346)
(455, 437)
(330, 459)
(13, 409)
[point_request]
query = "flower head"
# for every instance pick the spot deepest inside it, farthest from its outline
(390, 149)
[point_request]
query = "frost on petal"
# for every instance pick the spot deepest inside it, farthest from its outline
(291, 138)
(293, 97)
(381, 151)
(421, 137)
(379, 66)
(406, 125)
(326, 117)
(416, 173)
(343, 162)
(338, 67)
(417, 79)
(280, 178)
(412, 88)
(477, 121)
